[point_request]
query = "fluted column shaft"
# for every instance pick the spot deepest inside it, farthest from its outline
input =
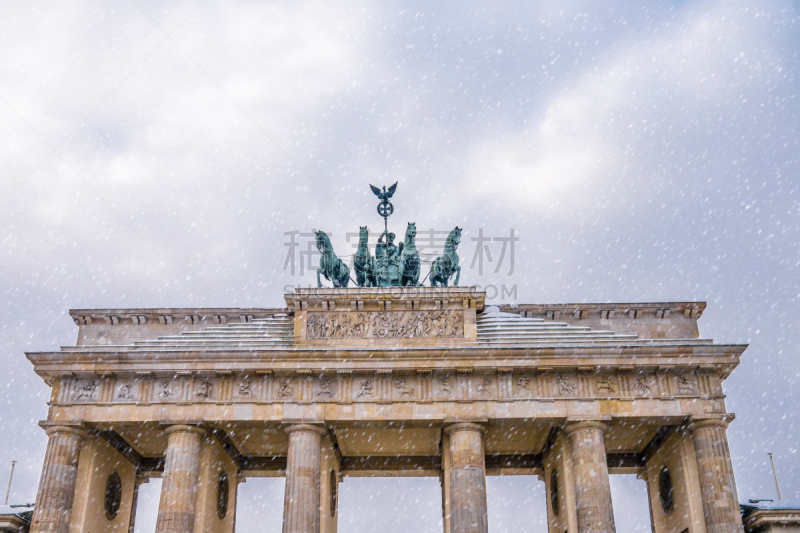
(592, 486)
(717, 486)
(176, 507)
(468, 508)
(56, 493)
(301, 499)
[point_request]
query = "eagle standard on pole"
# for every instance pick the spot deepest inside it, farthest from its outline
(385, 208)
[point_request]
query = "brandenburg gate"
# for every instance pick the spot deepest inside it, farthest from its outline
(386, 381)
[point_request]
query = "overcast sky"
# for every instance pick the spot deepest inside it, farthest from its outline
(157, 154)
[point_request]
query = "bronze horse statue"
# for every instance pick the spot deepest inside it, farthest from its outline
(409, 258)
(330, 266)
(363, 262)
(447, 264)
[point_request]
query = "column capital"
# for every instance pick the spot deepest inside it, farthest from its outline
(184, 428)
(308, 428)
(464, 426)
(75, 430)
(571, 427)
(704, 423)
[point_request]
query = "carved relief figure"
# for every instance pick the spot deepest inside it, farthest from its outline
(358, 326)
(444, 385)
(324, 387)
(442, 324)
(125, 392)
(565, 388)
(364, 389)
(336, 325)
(339, 325)
(686, 384)
(642, 386)
(524, 384)
(400, 384)
(167, 391)
(244, 389)
(449, 325)
(315, 326)
(205, 390)
(86, 392)
(386, 324)
(285, 391)
(415, 325)
(605, 383)
(484, 388)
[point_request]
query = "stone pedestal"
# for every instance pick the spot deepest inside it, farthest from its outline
(176, 509)
(301, 501)
(468, 508)
(56, 493)
(592, 486)
(717, 486)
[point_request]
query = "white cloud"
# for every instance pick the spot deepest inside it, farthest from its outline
(594, 128)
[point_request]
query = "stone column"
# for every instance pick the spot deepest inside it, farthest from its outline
(592, 486)
(717, 486)
(135, 501)
(176, 507)
(54, 499)
(301, 500)
(468, 508)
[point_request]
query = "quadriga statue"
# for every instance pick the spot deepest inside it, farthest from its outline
(409, 258)
(330, 266)
(363, 262)
(446, 265)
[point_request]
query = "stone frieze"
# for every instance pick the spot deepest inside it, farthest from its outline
(390, 386)
(385, 324)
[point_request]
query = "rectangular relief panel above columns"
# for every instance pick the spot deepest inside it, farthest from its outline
(409, 316)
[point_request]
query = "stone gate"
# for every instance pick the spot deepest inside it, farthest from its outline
(386, 382)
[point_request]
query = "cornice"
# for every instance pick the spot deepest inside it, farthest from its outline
(477, 351)
(632, 310)
(170, 315)
(720, 359)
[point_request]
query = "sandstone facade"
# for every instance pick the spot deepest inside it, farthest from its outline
(359, 382)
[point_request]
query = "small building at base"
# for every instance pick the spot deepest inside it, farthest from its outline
(767, 516)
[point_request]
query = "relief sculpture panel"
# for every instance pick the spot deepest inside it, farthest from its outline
(379, 387)
(386, 324)
(86, 390)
